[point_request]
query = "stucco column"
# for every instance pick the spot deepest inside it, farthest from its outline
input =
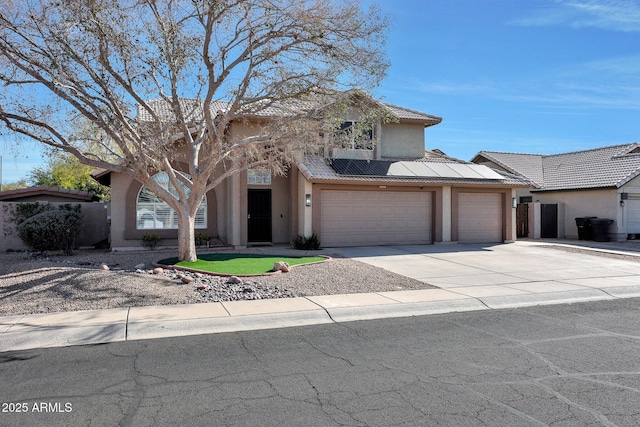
(537, 223)
(512, 230)
(235, 219)
(446, 213)
(305, 225)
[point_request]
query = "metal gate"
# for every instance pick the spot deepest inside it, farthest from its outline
(549, 221)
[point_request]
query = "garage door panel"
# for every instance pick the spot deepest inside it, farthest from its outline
(633, 214)
(375, 218)
(480, 217)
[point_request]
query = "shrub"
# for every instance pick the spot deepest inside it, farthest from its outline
(306, 243)
(202, 238)
(20, 212)
(51, 230)
(150, 240)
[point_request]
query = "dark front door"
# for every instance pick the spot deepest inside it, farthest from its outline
(549, 221)
(259, 216)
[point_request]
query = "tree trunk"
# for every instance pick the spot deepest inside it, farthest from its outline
(186, 236)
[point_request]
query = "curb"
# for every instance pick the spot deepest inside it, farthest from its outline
(131, 324)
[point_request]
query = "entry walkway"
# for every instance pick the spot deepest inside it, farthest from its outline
(470, 277)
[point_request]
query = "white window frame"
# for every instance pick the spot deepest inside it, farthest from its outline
(155, 214)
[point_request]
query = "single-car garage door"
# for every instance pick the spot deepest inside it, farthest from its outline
(633, 214)
(360, 218)
(479, 217)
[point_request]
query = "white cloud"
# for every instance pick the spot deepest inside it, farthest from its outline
(614, 15)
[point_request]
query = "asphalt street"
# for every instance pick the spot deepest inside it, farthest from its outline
(575, 364)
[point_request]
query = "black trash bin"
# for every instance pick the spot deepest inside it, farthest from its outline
(601, 229)
(585, 230)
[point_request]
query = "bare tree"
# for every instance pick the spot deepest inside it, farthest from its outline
(157, 83)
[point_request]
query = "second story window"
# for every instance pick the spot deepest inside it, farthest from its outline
(354, 135)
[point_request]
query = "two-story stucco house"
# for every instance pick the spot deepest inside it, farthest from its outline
(393, 192)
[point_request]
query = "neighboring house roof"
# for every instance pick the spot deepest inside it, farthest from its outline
(194, 110)
(529, 165)
(316, 168)
(23, 193)
(606, 167)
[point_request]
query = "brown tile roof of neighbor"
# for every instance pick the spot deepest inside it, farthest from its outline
(16, 195)
(606, 167)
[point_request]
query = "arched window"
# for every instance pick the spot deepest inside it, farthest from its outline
(153, 213)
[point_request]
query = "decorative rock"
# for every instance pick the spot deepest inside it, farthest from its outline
(202, 287)
(281, 266)
(104, 267)
(139, 266)
(199, 275)
(158, 270)
(186, 279)
(234, 280)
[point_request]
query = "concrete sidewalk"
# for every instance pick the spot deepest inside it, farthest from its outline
(470, 277)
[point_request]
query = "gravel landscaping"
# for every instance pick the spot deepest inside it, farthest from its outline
(45, 283)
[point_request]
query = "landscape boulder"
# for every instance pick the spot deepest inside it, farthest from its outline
(281, 266)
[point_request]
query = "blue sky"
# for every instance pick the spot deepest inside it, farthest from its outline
(535, 76)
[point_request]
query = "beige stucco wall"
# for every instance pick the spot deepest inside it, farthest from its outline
(305, 225)
(280, 209)
(600, 203)
(119, 185)
(404, 140)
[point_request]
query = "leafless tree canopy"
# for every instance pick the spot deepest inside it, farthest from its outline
(123, 85)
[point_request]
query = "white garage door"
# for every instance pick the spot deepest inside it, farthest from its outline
(633, 214)
(479, 217)
(360, 218)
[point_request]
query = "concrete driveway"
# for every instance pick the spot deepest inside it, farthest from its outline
(503, 275)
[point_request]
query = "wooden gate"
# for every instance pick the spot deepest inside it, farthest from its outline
(522, 220)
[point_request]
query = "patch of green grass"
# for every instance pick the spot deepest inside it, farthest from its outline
(239, 264)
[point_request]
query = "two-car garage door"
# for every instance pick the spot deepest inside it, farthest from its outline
(361, 218)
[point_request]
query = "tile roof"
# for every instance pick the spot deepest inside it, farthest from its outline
(192, 107)
(20, 193)
(194, 110)
(529, 165)
(316, 168)
(606, 167)
(407, 114)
